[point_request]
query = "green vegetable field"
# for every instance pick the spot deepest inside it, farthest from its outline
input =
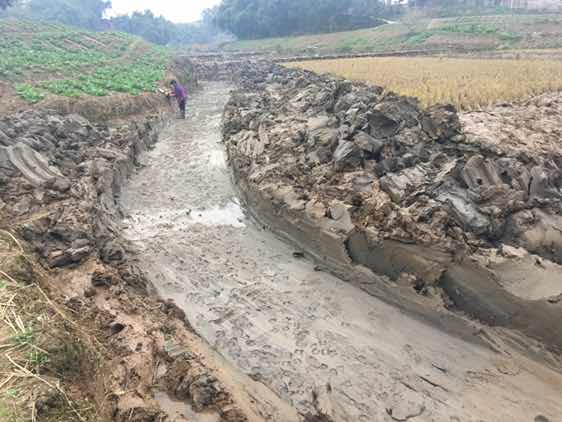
(42, 59)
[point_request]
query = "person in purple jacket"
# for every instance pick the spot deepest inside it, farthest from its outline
(180, 93)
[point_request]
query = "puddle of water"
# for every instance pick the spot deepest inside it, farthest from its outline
(179, 411)
(217, 159)
(154, 222)
(231, 215)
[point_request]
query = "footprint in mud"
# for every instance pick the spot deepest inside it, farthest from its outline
(301, 337)
(412, 354)
(404, 407)
(313, 362)
(485, 376)
(507, 367)
(362, 359)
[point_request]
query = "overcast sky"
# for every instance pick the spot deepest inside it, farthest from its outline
(174, 10)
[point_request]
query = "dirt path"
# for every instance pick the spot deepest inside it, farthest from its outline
(294, 329)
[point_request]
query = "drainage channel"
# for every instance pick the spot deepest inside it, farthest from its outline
(314, 340)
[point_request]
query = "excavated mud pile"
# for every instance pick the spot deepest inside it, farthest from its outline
(363, 178)
(223, 68)
(59, 179)
(64, 172)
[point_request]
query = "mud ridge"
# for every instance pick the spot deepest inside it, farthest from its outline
(365, 180)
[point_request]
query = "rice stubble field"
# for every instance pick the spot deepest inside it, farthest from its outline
(469, 84)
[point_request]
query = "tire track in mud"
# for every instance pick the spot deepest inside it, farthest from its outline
(314, 340)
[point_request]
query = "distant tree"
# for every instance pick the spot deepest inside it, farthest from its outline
(209, 16)
(159, 30)
(90, 14)
(269, 18)
(6, 3)
(144, 24)
(82, 13)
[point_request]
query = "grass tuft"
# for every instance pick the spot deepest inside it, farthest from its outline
(39, 350)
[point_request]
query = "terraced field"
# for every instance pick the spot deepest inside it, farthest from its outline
(37, 60)
(419, 33)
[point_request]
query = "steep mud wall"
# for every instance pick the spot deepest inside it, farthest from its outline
(184, 70)
(365, 179)
(218, 68)
(103, 109)
(70, 170)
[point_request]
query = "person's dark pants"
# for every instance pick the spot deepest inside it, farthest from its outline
(182, 107)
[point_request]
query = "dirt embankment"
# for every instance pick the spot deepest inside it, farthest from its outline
(365, 179)
(59, 179)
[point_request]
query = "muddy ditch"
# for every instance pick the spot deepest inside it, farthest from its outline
(290, 324)
(60, 176)
(194, 309)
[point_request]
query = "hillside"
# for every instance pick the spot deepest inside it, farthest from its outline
(476, 32)
(38, 61)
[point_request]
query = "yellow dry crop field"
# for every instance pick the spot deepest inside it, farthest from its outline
(466, 83)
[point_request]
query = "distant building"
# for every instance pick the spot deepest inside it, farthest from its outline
(533, 4)
(537, 4)
(511, 4)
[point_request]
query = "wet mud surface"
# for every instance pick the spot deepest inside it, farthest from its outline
(318, 342)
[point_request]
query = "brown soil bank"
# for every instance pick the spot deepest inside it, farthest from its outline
(59, 179)
(365, 179)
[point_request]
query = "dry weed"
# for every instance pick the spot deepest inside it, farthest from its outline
(466, 83)
(39, 351)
